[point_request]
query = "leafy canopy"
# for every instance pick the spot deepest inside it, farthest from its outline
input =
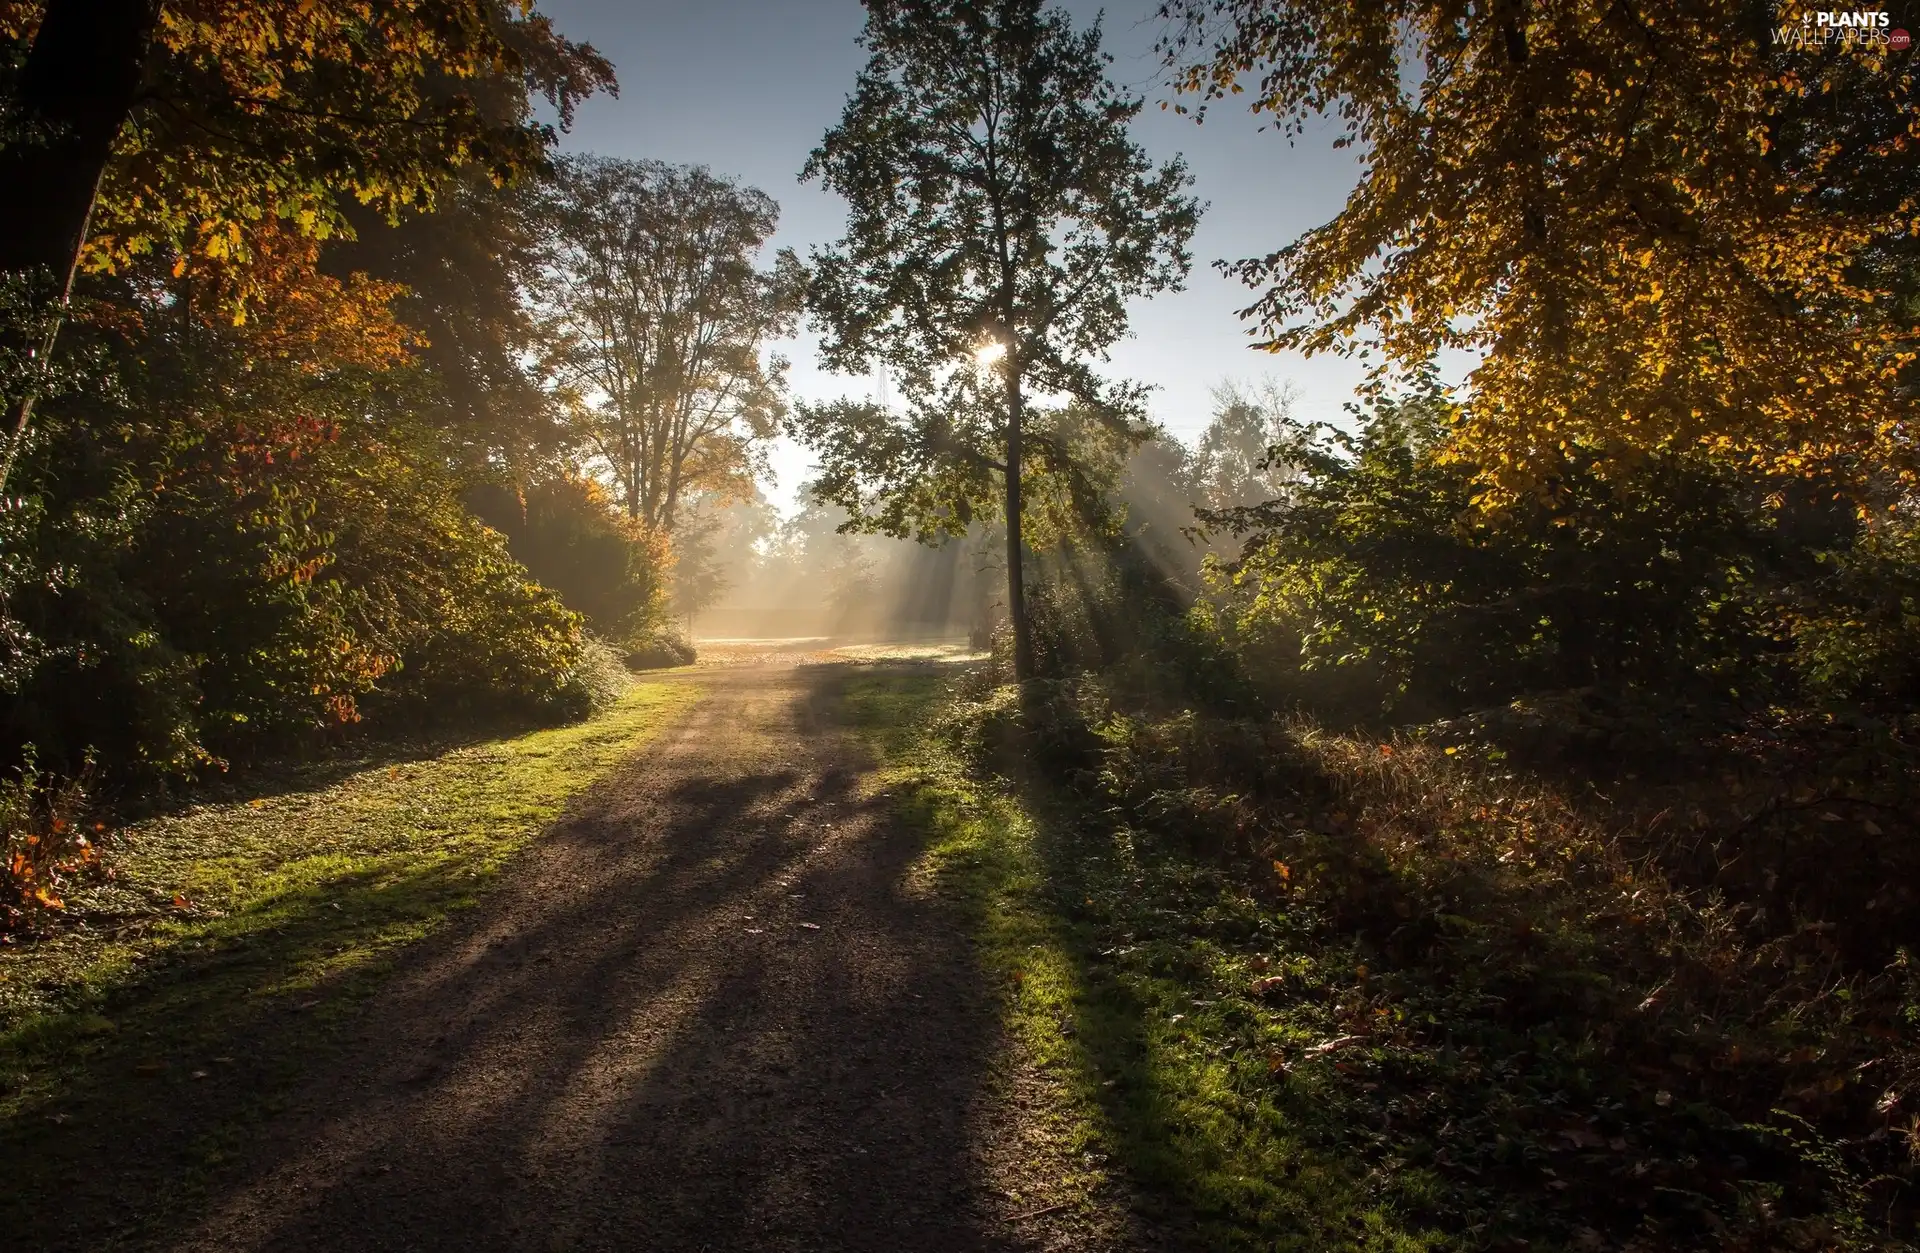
(1660, 228)
(993, 193)
(257, 110)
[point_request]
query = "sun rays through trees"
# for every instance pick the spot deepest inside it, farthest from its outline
(1476, 810)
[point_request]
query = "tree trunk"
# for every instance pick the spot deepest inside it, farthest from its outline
(75, 92)
(1016, 547)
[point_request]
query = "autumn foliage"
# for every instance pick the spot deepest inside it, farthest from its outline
(46, 839)
(1659, 233)
(242, 526)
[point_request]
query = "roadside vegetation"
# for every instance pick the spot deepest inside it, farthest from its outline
(1313, 987)
(306, 450)
(1486, 821)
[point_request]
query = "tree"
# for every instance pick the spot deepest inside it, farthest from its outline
(658, 319)
(1233, 463)
(465, 267)
(1653, 240)
(999, 219)
(189, 126)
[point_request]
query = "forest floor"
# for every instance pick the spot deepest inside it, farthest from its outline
(730, 999)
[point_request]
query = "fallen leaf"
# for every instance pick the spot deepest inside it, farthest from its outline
(811, 926)
(1338, 1042)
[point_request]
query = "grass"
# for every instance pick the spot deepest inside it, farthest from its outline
(1323, 990)
(233, 936)
(1121, 986)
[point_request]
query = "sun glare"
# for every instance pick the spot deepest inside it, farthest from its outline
(988, 353)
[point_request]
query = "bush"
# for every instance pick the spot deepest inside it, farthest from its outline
(44, 843)
(660, 650)
(1377, 585)
(263, 551)
(599, 678)
(1106, 607)
(1856, 623)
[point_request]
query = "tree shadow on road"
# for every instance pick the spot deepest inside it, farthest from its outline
(639, 1043)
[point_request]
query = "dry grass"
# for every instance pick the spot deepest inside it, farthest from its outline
(1620, 1008)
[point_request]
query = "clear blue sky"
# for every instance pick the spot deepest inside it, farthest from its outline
(747, 87)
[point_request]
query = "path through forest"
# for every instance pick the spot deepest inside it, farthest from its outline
(709, 1012)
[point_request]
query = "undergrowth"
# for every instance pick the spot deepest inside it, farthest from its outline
(1335, 990)
(1109, 988)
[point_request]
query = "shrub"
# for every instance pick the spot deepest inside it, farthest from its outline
(265, 551)
(1376, 583)
(1105, 606)
(599, 678)
(659, 650)
(1856, 623)
(44, 843)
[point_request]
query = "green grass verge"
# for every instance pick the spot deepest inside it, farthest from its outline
(233, 935)
(1128, 981)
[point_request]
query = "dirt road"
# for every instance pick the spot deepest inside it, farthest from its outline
(708, 1012)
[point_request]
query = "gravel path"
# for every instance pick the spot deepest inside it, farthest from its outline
(707, 1013)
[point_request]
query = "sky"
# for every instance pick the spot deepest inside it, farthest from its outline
(748, 87)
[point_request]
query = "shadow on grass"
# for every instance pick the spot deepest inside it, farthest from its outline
(127, 1064)
(642, 1044)
(149, 1097)
(134, 1102)
(1209, 1139)
(309, 767)
(1313, 1000)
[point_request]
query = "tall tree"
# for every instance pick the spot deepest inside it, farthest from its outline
(187, 126)
(1000, 214)
(1659, 227)
(658, 315)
